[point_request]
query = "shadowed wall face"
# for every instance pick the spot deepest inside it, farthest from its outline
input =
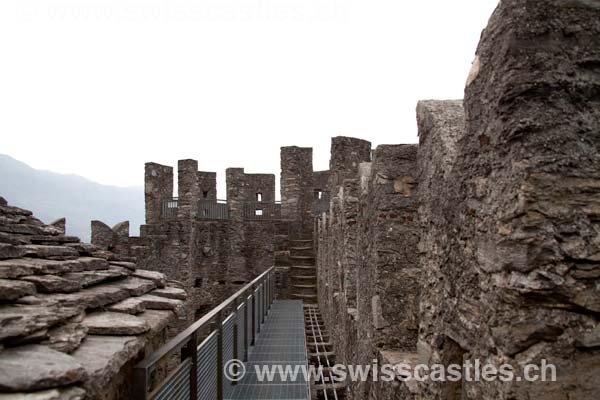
(158, 188)
(297, 188)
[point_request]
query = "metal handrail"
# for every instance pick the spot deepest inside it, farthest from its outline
(213, 209)
(261, 289)
(169, 208)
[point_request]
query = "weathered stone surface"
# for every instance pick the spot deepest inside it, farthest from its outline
(136, 286)
(34, 367)
(11, 251)
(158, 319)
(170, 293)
(115, 323)
(72, 393)
(13, 239)
(54, 239)
(158, 188)
(33, 266)
(85, 249)
(91, 278)
(33, 338)
(132, 305)
(161, 303)
(13, 289)
(590, 339)
(103, 357)
(297, 187)
(158, 278)
(102, 235)
(22, 320)
(93, 263)
(53, 284)
(60, 224)
(125, 264)
(92, 297)
(43, 251)
(66, 338)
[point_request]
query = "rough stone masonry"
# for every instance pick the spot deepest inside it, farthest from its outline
(481, 242)
(505, 203)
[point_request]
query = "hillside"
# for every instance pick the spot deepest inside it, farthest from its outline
(51, 196)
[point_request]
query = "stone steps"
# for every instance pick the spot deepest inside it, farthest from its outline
(302, 257)
(304, 286)
(304, 277)
(304, 267)
(312, 297)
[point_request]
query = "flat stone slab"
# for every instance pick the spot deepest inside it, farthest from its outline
(132, 305)
(12, 289)
(71, 393)
(114, 323)
(44, 251)
(35, 266)
(35, 367)
(53, 239)
(22, 320)
(92, 297)
(53, 284)
(103, 356)
(162, 303)
(125, 264)
(91, 278)
(93, 263)
(10, 251)
(13, 239)
(66, 338)
(158, 278)
(34, 338)
(136, 286)
(170, 293)
(157, 319)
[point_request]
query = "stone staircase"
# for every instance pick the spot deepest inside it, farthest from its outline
(303, 270)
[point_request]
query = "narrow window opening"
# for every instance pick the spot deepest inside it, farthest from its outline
(205, 194)
(259, 197)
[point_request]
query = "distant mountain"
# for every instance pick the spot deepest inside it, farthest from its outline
(51, 196)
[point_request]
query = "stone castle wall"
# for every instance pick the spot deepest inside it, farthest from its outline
(480, 242)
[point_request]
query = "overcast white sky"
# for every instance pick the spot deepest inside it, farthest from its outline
(97, 88)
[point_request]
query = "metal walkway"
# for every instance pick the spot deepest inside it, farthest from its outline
(281, 341)
(248, 329)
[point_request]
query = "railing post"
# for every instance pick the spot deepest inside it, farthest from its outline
(140, 384)
(257, 302)
(253, 315)
(235, 336)
(264, 302)
(273, 286)
(193, 354)
(270, 289)
(219, 328)
(246, 306)
(268, 294)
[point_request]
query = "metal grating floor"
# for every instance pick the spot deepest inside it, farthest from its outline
(281, 341)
